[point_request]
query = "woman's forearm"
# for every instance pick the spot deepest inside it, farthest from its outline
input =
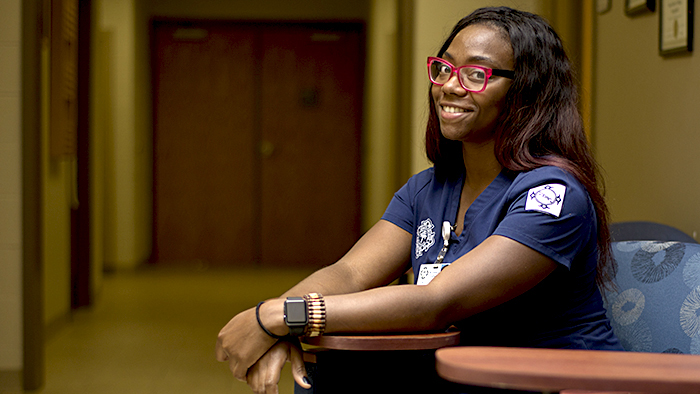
(494, 272)
(400, 308)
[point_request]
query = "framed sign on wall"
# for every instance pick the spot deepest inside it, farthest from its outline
(633, 7)
(676, 26)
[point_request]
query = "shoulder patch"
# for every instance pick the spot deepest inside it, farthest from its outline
(547, 198)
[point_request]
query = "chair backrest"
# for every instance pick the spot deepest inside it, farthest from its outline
(656, 307)
(647, 231)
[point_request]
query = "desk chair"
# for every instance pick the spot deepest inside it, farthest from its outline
(647, 231)
(656, 309)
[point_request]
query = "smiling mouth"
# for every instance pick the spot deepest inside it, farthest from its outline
(453, 110)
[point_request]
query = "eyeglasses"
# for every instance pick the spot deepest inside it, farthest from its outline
(471, 78)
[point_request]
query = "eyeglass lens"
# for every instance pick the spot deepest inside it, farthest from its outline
(472, 78)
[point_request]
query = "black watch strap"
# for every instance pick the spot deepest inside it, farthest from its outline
(296, 331)
(296, 315)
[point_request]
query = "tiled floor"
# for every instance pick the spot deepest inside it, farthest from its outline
(154, 330)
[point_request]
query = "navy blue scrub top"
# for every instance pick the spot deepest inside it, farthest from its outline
(546, 209)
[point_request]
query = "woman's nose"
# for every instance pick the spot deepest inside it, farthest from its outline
(453, 86)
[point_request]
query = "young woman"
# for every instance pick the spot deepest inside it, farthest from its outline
(507, 233)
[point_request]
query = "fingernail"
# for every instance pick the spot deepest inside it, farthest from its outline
(306, 380)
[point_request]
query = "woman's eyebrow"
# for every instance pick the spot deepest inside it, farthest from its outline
(478, 58)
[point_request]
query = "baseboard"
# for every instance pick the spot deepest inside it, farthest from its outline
(10, 381)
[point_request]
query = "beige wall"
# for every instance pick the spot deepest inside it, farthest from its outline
(647, 122)
(56, 198)
(127, 133)
(57, 175)
(379, 158)
(11, 189)
(58, 179)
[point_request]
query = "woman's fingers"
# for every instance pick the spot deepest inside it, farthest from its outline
(264, 376)
(298, 367)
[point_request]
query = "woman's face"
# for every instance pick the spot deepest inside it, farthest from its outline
(467, 116)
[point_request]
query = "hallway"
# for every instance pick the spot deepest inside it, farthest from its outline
(153, 331)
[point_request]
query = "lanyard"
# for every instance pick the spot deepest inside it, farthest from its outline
(446, 234)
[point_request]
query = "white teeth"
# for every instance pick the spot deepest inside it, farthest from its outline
(453, 110)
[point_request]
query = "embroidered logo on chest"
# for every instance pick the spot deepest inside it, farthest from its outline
(548, 199)
(425, 237)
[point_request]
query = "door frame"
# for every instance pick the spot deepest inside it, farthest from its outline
(34, 28)
(82, 293)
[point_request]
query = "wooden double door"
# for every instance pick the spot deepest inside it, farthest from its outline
(256, 142)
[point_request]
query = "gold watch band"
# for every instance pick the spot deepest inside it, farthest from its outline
(317, 315)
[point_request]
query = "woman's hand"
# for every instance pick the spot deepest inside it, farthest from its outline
(264, 376)
(241, 342)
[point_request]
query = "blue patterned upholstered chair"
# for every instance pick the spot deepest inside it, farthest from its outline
(657, 304)
(647, 231)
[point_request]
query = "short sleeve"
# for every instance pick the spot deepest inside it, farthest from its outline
(550, 212)
(401, 209)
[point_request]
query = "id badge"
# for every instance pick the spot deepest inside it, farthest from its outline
(429, 271)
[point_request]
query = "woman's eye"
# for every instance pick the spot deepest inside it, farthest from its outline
(445, 69)
(476, 75)
(479, 74)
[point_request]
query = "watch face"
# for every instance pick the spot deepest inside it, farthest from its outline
(295, 312)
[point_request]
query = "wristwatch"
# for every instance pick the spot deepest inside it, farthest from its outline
(296, 315)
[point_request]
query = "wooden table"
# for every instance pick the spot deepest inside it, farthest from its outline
(422, 341)
(552, 370)
(394, 363)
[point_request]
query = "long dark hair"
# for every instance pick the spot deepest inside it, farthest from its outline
(541, 124)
